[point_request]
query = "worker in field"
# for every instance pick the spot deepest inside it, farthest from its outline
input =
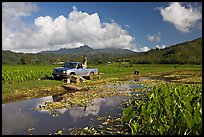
(85, 62)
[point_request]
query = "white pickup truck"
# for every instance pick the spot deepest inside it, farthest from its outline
(74, 68)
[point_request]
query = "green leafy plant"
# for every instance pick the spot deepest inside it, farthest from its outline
(168, 109)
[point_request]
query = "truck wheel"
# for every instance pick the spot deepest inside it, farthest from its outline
(72, 77)
(55, 77)
(91, 76)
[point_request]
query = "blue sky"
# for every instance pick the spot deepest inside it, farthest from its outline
(138, 26)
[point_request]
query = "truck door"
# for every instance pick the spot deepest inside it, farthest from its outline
(79, 70)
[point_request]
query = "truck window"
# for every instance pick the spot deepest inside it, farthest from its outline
(79, 66)
(70, 65)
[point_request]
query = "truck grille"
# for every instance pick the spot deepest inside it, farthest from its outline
(58, 71)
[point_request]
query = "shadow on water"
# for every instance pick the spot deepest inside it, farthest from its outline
(19, 118)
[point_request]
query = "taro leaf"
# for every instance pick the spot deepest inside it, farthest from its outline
(58, 132)
(151, 96)
(185, 133)
(128, 113)
(167, 127)
(163, 120)
(187, 105)
(135, 126)
(149, 108)
(155, 111)
(161, 130)
(197, 117)
(188, 119)
(176, 92)
(167, 102)
(169, 112)
(86, 128)
(105, 123)
(109, 128)
(175, 110)
(194, 99)
(150, 119)
(139, 106)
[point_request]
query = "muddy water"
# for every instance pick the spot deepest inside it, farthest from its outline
(19, 118)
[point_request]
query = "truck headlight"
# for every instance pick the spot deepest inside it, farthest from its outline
(64, 71)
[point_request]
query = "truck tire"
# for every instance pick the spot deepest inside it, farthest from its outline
(55, 77)
(71, 77)
(91, 76)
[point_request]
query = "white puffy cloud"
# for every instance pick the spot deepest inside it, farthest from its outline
(14, 30)
(154, 38)
(17, 9)
(48, 33)
(183, 17)
(143, 49)
(160, 46)
(13, 11)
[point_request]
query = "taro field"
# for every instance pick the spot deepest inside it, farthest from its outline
(20, 73)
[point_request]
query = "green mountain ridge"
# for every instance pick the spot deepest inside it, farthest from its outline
(189, 52)
(88, 50)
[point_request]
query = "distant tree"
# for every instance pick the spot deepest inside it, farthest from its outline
(26, 60)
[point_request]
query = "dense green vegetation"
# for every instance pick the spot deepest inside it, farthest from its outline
(20, 73)
(173, 109)
(183, 53)
(12, 58)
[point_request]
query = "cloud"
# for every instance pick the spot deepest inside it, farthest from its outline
(160, 47)
(143, 49)
(48, 33)
(154, 38)
(183, 17)
(93, 109)
(13, 11)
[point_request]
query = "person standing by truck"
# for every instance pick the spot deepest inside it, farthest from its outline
(85, 62)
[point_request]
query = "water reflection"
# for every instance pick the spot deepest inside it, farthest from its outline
(14, 121)
(18, 118)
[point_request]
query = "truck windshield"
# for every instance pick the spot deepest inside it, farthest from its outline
(70, 65)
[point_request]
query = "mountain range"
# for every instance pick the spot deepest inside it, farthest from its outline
(88, 50)
(189, 52)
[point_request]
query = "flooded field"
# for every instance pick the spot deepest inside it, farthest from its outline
(21, 118)
(104, 107)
